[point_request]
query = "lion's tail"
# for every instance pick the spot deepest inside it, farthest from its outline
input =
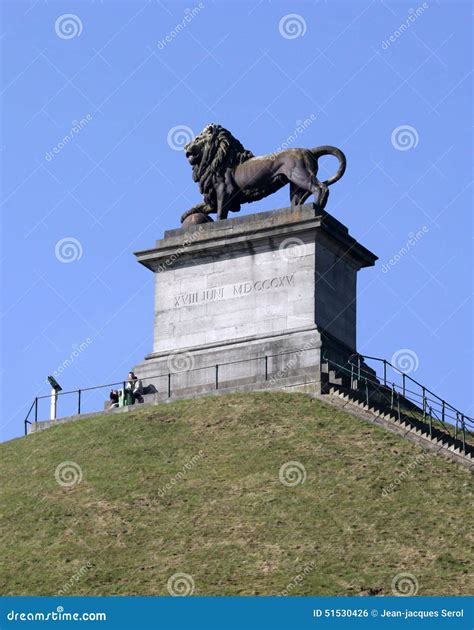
(329, 150)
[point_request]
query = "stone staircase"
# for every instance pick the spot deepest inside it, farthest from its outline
(354, 386)
(402, 423)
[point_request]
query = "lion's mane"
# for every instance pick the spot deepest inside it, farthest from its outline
(220, 154)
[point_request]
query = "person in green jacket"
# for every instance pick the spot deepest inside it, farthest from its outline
(133, 389)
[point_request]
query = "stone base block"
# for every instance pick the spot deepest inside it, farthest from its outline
(273, 362)
(255, 301)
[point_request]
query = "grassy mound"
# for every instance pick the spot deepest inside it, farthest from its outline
(119, 504)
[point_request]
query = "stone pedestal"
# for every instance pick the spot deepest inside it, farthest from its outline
(263, 297)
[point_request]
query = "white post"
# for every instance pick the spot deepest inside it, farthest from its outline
(54, 400)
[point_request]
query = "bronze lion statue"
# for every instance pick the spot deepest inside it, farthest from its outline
(229, 175)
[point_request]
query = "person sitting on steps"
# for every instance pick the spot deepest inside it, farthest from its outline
(133, 389)
(114, 398)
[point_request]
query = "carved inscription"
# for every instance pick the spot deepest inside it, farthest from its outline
(233, 290)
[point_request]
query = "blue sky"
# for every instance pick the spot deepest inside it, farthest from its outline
(126, 89)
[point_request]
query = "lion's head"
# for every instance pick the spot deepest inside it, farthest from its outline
(212, 154)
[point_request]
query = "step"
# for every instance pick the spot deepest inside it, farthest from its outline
(438, 441)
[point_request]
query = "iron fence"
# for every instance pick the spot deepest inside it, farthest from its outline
(407, 395)
(263, 363)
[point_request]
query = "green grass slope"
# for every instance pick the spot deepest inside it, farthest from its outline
(196, 487)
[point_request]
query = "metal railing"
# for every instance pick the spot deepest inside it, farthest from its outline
(407, 397)
(216, 379)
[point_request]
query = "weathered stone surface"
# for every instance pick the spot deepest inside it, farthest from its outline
(249, 288)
